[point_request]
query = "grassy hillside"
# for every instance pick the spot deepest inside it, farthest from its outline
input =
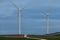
(52, 36)
(3, 38)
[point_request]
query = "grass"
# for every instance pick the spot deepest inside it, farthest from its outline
(55, 37)
(49, 37)
(3, 38)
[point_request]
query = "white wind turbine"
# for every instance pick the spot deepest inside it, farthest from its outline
(47, 21)
(19, 18)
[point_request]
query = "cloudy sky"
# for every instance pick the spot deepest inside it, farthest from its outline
(33, 20)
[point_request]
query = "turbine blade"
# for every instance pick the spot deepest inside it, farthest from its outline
(14, 4)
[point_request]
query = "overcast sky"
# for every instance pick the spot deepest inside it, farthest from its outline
(33, 20)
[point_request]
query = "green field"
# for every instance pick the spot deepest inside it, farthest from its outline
(49, 38)
(3, 38)
(55, 36)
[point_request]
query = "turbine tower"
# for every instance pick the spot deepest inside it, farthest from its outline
(19, 18)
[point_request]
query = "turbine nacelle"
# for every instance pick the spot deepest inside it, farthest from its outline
(47, 14)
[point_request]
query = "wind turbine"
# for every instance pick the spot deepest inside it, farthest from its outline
(47, 21)
(19, 18)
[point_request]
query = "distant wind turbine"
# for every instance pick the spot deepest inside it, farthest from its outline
(19, 18)
(47, 21)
